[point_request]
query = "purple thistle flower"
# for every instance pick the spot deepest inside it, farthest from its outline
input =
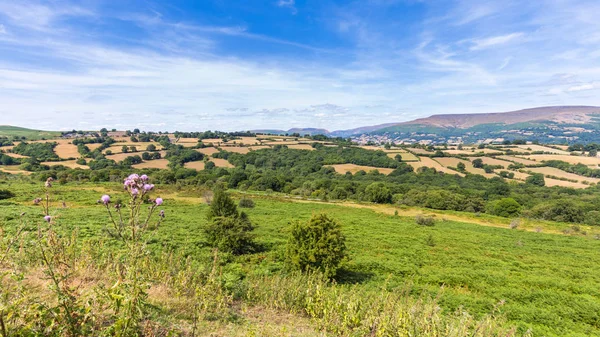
(37, 201)
(158, 201)
(105, 199)
(47, 218)
(148, 187)
(133, 176)
(144, 177)
(135, 191)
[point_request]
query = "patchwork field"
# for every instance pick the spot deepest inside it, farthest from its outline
(209, 151)
(453, 162)
(589, 161)
(196, 165)
(552, 171)
(157, 163)
(519, 160)
(343, 168)
(221, 162)
(536, 148)
(301, 147)
(492, 161)
(406, 156)
(66, 163)
(65, 150)
(235, 149)
(428, 162)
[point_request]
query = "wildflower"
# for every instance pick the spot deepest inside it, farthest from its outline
(158, 201)
(162, 213)
(47, 218)
(37, 201)
(49, 182)
(128, 182)
(133, 177)
(105, 199)
(135, 191)
(148, 187)
(144, 177)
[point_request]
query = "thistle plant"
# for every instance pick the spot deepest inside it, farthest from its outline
(129, 294)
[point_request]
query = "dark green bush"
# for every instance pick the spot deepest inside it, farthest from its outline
(6, 194)
(228, 229)
(423, 220)
(246, 203)
(316, 245)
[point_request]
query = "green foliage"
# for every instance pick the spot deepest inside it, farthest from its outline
(378, 193)
(38, 151)
(425, 220)
(6, 194)
(246, 203)
(536, 179)
(505, 207)
(317, 245)
(461, 166)
(478, 163)
(228, 229)
(559, 210)
(592, 218)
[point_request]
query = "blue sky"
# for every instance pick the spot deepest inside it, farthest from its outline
(238, 65)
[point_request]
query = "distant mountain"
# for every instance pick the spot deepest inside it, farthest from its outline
(555, 114)
(558, 114)
(301, 131)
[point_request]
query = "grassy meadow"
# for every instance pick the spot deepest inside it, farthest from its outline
(546, 283)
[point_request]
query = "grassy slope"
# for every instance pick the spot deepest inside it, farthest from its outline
(549, 282)
(10, 131)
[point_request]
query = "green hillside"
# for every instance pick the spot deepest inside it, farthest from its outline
(11, 131)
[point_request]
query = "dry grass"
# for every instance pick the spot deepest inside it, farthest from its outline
(372, 148)
(254, 148)
(343, 168)
(406, 156)
(14, 170)
(555, 182)
(301, 147)
(419, 151)
(140, 146)
(552, 171)
(519, 160)
(157, 163)
(590, 161)
(492, 161)
(428, 162)
(214, 141)
(15, 155)
(66, 163)
(246, 141)
(196, 165)
(93, 146)
(221, 162)
(533, 147)
(120, 156)
(282, 142)
(209, 151)
(453, 162)
(65, 150)
(235, 149)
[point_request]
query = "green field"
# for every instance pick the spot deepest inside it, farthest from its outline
(548, 283)
(12, 131)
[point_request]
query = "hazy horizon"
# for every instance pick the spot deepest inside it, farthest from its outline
(285, 64)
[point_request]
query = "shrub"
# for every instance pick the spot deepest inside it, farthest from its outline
(378, 193)
(536, 179)
(228, 229)
(231, 233)
(317, 245)
(246, 203)
(506, 207)
(6, 194)
(592, 218)
(424, 220)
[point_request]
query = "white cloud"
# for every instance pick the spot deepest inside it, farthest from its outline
(480, 44)
(583, 87)
(289, 4)
(2, 29)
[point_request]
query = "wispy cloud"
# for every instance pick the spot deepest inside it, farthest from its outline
(289, 4)
(479, 44)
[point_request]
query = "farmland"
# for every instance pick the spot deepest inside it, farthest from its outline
(478, 266)
(492, 211)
